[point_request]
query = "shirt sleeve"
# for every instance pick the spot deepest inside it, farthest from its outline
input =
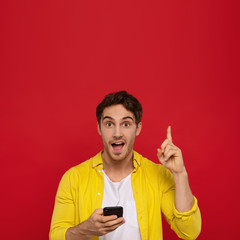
(63, 213)
(187, 225)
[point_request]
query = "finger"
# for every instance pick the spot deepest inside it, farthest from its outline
(159, 153)
(105, 219)
(115, 222)
(171, 152)
(106, 230)
(97, 215)
(169, 136)
(164, 145)
(164, 157)
(99, 211)
(112, 226)
(167, 148)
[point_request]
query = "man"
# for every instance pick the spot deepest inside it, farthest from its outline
(119, 176)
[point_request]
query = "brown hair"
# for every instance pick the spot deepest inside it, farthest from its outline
(124, 98)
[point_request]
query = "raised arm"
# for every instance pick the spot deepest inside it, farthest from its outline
(184, 216)
(171, 157)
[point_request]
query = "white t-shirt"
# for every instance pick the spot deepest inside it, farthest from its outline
(121, 194)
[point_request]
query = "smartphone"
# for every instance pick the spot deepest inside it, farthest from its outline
(118, 210)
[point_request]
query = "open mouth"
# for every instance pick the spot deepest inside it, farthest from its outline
(117, 147)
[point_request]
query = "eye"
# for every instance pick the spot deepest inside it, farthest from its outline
(126, 124)
(108, 124)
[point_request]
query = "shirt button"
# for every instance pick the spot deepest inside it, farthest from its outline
(99, 194)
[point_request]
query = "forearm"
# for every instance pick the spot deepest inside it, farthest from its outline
(79, 232)
(180, 208)
(183, 195)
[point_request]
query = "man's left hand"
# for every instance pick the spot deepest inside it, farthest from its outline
(170, 155)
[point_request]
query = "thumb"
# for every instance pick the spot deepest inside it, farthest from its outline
(99, 211)
(160, 154)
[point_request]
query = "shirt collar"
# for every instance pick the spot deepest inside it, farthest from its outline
(97, 160)
(136, 161)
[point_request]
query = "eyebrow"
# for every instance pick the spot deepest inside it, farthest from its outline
(128, 117)
(124, 118)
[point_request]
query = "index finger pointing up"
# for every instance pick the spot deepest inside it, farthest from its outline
(169, 136)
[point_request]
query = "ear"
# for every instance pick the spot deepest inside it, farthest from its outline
(139, 128)
(99, 129)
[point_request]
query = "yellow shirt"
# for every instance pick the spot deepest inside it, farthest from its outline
(80, 192)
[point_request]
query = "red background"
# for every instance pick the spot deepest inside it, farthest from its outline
(60, 58)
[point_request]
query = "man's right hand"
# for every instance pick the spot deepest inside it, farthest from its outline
(95, 225)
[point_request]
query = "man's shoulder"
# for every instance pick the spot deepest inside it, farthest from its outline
(84, 167)
(153, 171)
(146, 163)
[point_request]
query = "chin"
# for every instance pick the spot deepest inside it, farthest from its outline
(120, 156)
(117, 157)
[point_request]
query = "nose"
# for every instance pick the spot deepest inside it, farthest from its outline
(117, 132)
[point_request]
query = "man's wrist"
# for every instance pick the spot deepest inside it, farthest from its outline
(179, 176)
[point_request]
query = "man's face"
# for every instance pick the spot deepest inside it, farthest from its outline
(118, 130)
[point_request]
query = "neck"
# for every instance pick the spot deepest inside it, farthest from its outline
(116, 170)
